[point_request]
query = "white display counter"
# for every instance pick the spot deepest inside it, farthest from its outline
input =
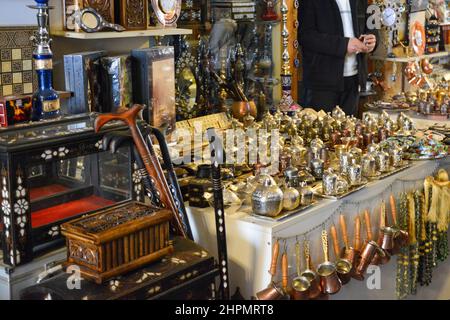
(250, 238)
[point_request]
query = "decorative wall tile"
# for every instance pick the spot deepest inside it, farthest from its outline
(17, 66)
(6, 66)
(16, 54)
(16, 61)
(7, 90)
(17, 77)
(27, 76)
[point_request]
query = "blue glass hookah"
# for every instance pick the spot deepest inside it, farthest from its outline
(46, 103)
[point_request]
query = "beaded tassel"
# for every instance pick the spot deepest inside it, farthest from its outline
(415, 247)
(442, 246)
(403, 257)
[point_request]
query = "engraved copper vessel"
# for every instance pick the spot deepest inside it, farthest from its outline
(329, 279)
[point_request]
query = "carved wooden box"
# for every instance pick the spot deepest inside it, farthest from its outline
(117, 240)
(52, 172)
(134, 14)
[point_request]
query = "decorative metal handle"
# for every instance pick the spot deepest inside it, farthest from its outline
(284, 269)
(325, 245)
(297, 257)
(307, 254)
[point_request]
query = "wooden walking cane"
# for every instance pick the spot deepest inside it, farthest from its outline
(150, 159)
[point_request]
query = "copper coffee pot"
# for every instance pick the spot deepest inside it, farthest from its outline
(386, 235)
(379, 254)
(315, 289)
(348, 253)
(343, 266)
(357, 246)
(300, 284)
(272, 292)
(369, 250)
(383, 236)
(401, 237)
(329, 279)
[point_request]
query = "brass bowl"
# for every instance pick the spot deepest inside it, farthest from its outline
(240, 109)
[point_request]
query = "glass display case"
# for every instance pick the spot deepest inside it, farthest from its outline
(52, 172)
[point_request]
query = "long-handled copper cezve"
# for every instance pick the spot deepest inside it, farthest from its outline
(150, 160)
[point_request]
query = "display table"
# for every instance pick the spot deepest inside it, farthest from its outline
(250, 239)
(420, 121)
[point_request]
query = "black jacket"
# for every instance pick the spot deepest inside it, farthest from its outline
(324, 47)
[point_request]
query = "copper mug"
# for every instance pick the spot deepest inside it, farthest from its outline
(329, 279)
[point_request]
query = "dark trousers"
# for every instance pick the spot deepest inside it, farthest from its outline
(327, 100)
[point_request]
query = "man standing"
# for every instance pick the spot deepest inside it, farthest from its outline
(333, 48)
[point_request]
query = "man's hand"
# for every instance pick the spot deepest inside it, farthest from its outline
(369, 41)
(356, 46)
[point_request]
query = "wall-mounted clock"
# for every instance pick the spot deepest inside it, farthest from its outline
(167, 11)
(391, 15)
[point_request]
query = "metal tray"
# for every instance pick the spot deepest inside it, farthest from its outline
(440, 156)
(390, 173)
(285, 214)
(318, 192)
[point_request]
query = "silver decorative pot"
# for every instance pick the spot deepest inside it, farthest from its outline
(329, 183)
(341, 185)
(267, 199)
(306, 194)
(395, 156)
(317, 167)
(382, 161)
(357, 154)
(354, 174)
(291, 198)
(345, 160)
(368, 166)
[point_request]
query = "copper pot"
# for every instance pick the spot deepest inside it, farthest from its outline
(367, 254)
(315, 290)
(272, 292)
(348, 253)
(387, 238)
(329, 279)
(300, 288)
(357, 249)
(300, 284)
(343, 266)
(240, 109)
